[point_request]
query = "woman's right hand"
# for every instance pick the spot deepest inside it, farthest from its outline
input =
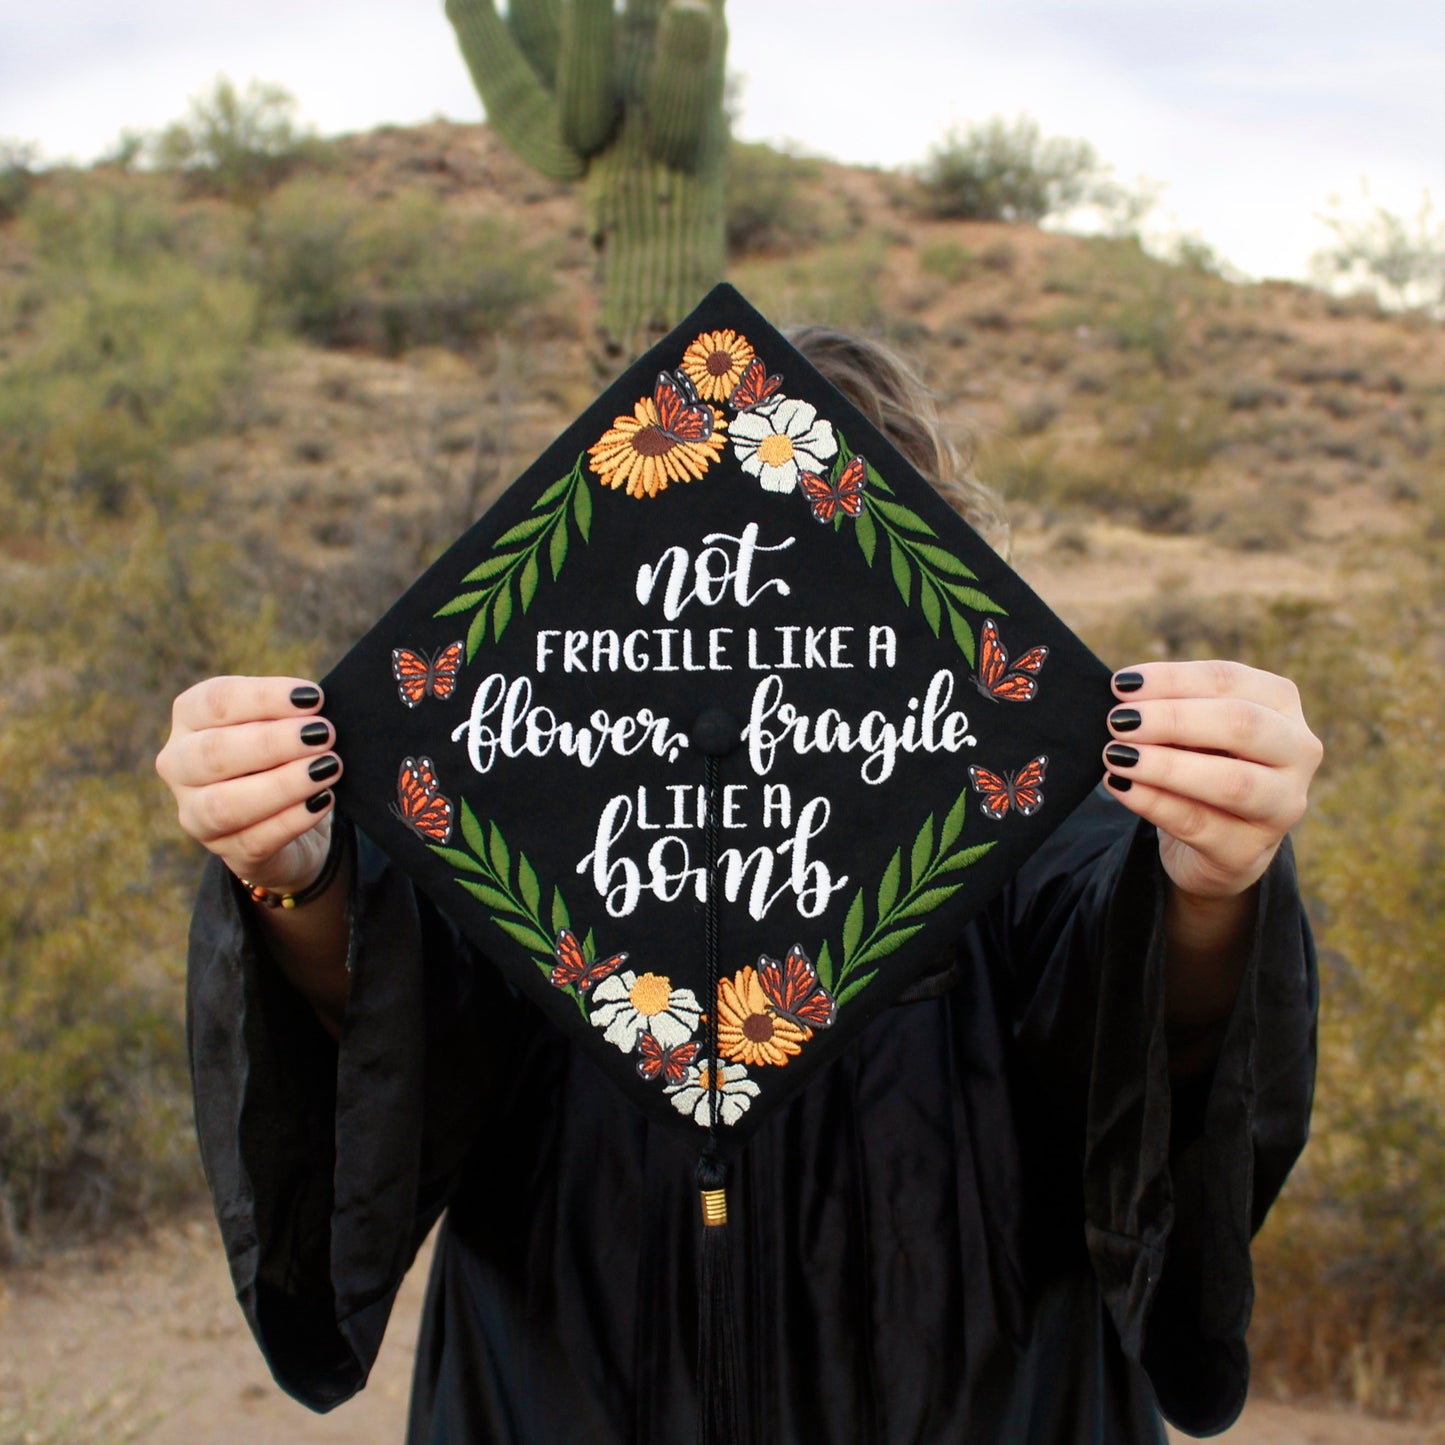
(251, 766)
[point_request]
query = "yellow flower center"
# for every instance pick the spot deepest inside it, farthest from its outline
(704, 1078)
(650, 994)
(776, 450)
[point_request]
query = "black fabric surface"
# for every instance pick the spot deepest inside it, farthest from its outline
(987, 1220)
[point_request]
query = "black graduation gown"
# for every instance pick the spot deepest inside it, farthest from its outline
(991, 1219)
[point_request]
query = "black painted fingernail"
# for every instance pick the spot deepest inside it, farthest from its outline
(1124, 719)
(1119, 785)
(319, 802)
(1121, 755)
(1128, 681)
(305, 696)
(314, 733)
(324, 768)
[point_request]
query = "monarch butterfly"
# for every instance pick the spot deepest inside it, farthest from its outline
(1000, 680)
(419, 803)
(670, 1064)
(793, 989)
(754, 386)
(572, 969)
(829, 497)
(1020, 790)
(681, 417)
(418, 675)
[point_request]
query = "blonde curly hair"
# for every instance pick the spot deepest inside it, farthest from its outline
(890, 393)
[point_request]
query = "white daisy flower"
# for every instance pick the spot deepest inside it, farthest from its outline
(628, 1005)
(735, 1092)
(776, 443)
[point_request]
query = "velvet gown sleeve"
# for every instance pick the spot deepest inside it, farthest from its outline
(1176, 1176)
(329, 1163)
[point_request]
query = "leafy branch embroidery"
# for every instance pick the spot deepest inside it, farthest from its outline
(516, 556)
(930, 859)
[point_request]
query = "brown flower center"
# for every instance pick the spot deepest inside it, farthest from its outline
(719, 363)
(652, 441)
(758, 1028)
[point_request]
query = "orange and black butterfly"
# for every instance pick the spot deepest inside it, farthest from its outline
(572, 969)
(1021, 790)
(829, 498)
(418, 676)
(419, 802)
(668, 1064)
(1004, 681)
(680, 415)
(754, 386)
(793, 989)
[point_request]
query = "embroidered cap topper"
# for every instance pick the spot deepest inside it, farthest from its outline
(717, 727)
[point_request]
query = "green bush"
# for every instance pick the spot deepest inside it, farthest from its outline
(17, 159)
(998, 170)
(770, 207)
(1398, 258)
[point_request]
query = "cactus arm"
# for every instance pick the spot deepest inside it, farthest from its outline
(685, 87)
(587, 91)
(536, 26)
(518, 106)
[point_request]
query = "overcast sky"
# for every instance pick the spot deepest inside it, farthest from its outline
(1253, 113)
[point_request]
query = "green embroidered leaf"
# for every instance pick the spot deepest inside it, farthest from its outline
(853, 926)
(560, 918)
(501, 612)
(867, 534)
(978, 601)
(524, 934)
(489, 567)
(928, 900)
(922, 848)
(554, 491)
(457, 858)
(527, 587)
(888, 887)
(487, 894)
(824, 964)
(845, 455)
(472, 831)
(953, 823)
(477, 632)
(944, 561)
(459, 604)
(589, 947)
(964, 859)
(558, 548)
(889, 944)
(903, 516)
(527, 882)
(856, 987)
(928, 600)
(875, 480)
(902, 572)
(499, 854)
(582, 509)
(962, 634)
(522, 530)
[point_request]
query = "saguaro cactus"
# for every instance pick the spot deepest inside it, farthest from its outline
(630, 103)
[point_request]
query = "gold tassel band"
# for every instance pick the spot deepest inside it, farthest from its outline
(714, 1206)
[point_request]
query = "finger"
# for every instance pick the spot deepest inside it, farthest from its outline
(215, 755)
(239, 805)
(222, 701)
(1233, 726)
(249, 853)
(1214, 678)
(1266, 797)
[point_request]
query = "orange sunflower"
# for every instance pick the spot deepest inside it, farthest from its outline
(637, 452)
(748, 1029)
(715, 362)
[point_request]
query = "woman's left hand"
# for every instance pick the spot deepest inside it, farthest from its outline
(1219, 758)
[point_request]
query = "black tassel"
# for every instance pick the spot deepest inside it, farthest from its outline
(717, 1333)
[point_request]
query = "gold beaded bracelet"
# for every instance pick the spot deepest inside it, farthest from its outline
(269, 898)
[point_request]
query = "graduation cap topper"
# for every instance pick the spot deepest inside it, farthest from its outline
(717, 727)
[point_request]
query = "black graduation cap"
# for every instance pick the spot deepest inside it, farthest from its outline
(717, 727)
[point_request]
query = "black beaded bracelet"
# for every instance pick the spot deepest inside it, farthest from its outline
(269, 898)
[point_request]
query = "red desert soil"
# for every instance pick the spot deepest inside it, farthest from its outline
(146, 1343)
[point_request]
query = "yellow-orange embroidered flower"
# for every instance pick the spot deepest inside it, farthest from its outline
(714, 363)
(748, 1029)
(636, 452)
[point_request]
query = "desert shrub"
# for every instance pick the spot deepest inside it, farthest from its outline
(999, 170)
(1399, 259)
(342, 270)
(836, 285)
(17, 176)
(232, 143)
(770, 206)
(948, 260)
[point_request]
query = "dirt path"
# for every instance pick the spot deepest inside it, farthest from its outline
(147, 1344)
